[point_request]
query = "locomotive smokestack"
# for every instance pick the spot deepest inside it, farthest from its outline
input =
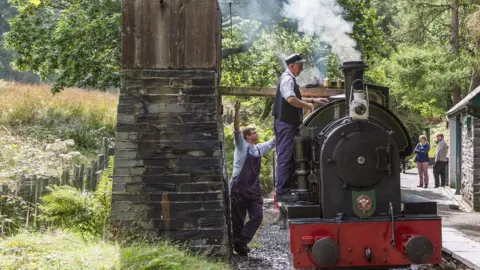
(352, 71)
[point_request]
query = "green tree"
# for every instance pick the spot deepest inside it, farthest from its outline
(441, 24)
(77, 41)
(371, 31)
(7, 12)
(421, 78)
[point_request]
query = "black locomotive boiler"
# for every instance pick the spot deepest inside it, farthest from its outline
(350, 211)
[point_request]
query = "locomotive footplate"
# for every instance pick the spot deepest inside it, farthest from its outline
(304, 211)
(365, 243)
(416, 205)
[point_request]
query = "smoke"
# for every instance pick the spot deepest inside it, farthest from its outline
(260, 10)
(324, 18)
(311, 75)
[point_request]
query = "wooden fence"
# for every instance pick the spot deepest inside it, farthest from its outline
(85, 177)
(30, 188)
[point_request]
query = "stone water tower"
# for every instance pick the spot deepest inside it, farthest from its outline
(169, 174)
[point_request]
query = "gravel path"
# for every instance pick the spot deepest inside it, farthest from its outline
(270, 251)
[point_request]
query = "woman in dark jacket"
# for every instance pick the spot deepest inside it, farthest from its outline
(422, 160)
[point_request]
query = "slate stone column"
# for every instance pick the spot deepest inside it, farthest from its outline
(170, 173)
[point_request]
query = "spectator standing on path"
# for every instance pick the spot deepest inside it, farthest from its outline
(245, 189)
(422, 160)
(440, 161)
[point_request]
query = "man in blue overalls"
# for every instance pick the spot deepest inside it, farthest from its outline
(288, 112)
(245, 190)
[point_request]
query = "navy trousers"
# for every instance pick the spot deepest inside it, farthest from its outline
(242, 232)
(284, 136)
(246, 196)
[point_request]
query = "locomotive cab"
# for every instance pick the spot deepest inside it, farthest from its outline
(349, 208)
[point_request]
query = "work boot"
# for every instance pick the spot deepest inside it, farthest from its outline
(241, 248)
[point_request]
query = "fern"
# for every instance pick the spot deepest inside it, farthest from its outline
(68, 208)
(103, 197)
(84, 212)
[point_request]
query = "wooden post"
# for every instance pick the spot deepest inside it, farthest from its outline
(42, 185)
(101, 162)
(31, 189)
(46, 183)
(98, 175)
(77, 181)
(263, 91)
(63, 179)
(3, 189)
(54, 181)
(75, 176)
(94, 175)
(105, 151)
(37, 189)
(88, 182)
(81, 174)
(67, 177)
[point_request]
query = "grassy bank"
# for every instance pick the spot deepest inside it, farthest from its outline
(69, 222)
(61, 250)
(78, 114)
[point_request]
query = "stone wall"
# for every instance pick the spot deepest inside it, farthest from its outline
(467, 162)
(169, 173)
(471, 162)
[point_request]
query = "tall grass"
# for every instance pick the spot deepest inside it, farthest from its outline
(82, 115)
(58, 249)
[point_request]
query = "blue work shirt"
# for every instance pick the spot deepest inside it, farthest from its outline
(241, 150)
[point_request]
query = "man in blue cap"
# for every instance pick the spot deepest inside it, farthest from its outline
(288, 112)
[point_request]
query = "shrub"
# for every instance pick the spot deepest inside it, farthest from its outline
(85, 212)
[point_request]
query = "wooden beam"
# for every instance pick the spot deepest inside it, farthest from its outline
(263, 91)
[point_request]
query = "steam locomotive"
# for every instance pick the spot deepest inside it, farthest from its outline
(350, 211)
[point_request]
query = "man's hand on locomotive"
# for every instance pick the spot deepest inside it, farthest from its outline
(320, 100)
(311, 107)
(314, 101)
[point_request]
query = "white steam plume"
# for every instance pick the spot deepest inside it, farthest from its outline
(324, 18)
(309, 75)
